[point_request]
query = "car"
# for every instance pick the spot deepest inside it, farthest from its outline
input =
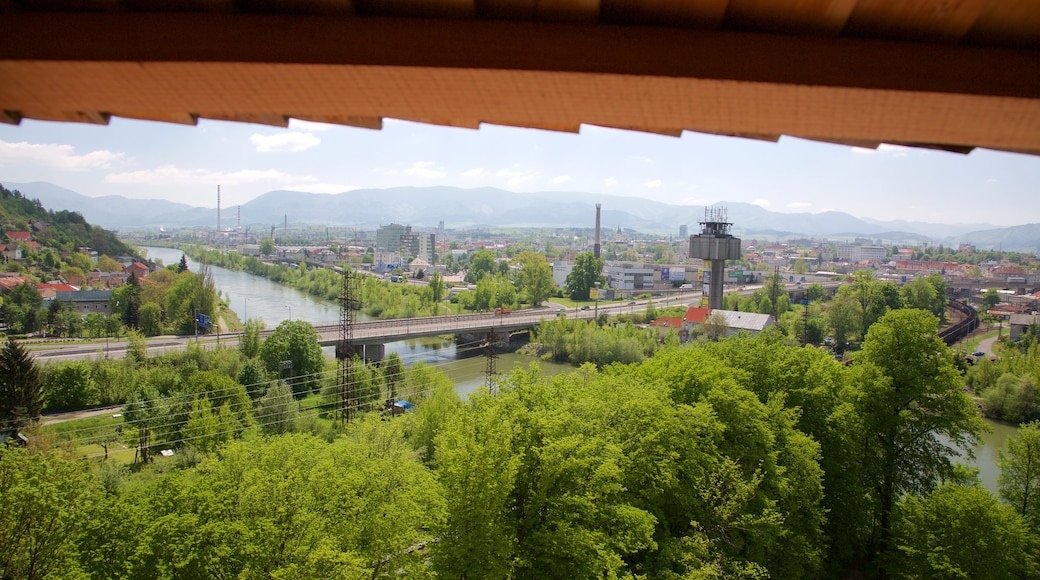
(978, 354)
(586, 307)
(561, 311)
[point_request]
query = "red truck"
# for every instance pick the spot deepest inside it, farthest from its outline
(501, 311)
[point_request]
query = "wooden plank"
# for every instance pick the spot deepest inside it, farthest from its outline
(513, 45)
(178, 118)
(90, 117)
(257, 118)
(677, 13)
(916, 20)
(568, 10)
(10, 117)
(322, 7)
(558, 128)
(826, 17)
(1014, 23)
(655, 131)
(460, 123)
(361, 122)
(417, 8)
(507, 9)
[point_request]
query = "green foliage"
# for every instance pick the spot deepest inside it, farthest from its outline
(587, 272)
(21, 387)
(44, 504)
(961, 531)
(249, 343)
(20, 308)
(70, 386)
(296, 342)
(277, 410)
(481, 264)
(915, 413)
(150, 319)
(578, 342)
(287, 506)
(534, 276)
(1019, 479)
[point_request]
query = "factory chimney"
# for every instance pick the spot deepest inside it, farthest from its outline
(595, 247)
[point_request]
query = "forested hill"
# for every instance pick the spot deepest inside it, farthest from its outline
(61, 230)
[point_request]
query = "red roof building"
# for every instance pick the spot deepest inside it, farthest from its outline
(17, 237)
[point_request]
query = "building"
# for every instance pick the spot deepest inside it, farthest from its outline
(560, 271)
(629, 277)
(684, 231)
(88, 301)
(860, 253)
(1020, 322)
(388, 237)
(419, 245)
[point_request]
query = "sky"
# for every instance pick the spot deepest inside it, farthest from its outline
(142, 159)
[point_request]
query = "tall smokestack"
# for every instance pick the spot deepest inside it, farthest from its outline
(595, 247)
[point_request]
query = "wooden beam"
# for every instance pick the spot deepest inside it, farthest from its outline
(90, 117)
(645, 51)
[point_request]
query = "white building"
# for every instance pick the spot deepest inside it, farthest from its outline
(560, 272)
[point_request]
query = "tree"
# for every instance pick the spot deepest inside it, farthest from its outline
(991, 298)
(150, 319)
(1019, 479)
(715, 326)
(294, 342)
(960, 531)
(21, 387)
(587, 272)
(266, 247)
(70, 386)
(183, 266)
(437, 290)
(535, 276)
(481, 264)
(915, 414)
(815, 292)
(46, 500)
(277, 410)
(393, 374)
(249, 344)
(21, 307)
(107, 264)
(844, 316)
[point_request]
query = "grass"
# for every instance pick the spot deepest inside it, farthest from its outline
(972, 344)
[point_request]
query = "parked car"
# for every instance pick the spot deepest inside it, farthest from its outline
(586, 307)
(978, 354)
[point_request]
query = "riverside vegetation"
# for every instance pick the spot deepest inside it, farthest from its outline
(748, 457)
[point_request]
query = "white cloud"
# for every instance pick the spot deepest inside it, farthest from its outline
(167, 174)
(652, 183)
(54, 155)
(799, 204)
(610, 181)
(992, 180)
(322, 187)
(515, 177)
(894, 150)
(302, 125)
(561, 179)
(761, 202)
(475, 172)
(284, 142)
(425, 170)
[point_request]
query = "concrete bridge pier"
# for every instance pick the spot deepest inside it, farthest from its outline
(370, 352)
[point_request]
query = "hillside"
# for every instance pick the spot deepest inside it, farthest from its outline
(425, 207)
(61, 230)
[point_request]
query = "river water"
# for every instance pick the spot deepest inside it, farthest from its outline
(258, 297)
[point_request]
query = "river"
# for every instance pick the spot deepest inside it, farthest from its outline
(258, 297)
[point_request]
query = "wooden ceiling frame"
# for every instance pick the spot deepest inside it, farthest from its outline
(158, 65)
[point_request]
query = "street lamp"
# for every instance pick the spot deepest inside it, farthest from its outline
(290, 312)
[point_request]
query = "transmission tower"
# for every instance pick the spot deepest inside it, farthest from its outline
(349, 303)
(774, 290)
(492, 357)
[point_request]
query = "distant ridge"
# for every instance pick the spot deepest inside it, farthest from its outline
(424, 207)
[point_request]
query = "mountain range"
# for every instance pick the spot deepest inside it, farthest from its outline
(462, 209)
